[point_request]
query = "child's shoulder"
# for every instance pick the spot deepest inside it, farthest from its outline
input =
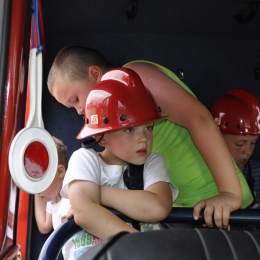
(154, 159)
(154, 156)
(84, 154)
(85, 151)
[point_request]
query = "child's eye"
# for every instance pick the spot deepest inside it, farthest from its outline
(149, 128)
(255, 142)
(129, 130)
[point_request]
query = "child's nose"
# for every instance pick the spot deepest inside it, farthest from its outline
(142, 137)
(249, 150)
(80, 110)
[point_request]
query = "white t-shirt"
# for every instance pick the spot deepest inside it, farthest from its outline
(86, 164)
(77, 244)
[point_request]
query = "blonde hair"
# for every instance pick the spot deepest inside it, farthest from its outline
(62, 152)
(74, 62)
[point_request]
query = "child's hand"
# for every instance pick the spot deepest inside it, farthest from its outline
(70, 213)
(217, 209)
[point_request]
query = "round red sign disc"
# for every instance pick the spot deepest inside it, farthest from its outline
(36, 159)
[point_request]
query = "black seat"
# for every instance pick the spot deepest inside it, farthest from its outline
(184, 244)
(187, 243)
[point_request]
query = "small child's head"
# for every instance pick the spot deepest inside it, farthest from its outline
(119, 113)
(238, 118)
(53, 191)
(75, 70)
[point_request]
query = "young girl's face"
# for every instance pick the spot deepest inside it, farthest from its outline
(53, 191)
(241, 147)
(130, 145)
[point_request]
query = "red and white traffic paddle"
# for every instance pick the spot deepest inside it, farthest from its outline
(33, 155)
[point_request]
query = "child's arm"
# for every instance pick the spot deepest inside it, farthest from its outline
(90, 215)
(185, 110)
(150, 205)
(43, 218)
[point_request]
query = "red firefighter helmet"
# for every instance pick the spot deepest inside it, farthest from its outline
(120, 100)
(237, 112)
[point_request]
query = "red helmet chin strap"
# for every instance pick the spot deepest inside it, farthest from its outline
(90, 143)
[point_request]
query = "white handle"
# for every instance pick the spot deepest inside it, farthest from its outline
(35, 113)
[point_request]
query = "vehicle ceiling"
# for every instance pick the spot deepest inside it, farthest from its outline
(213, 18)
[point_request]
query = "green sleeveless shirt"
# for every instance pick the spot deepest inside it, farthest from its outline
(186, 167)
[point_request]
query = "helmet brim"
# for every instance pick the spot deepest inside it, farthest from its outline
(86, 131)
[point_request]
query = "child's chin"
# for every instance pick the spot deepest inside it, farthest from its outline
(140, 162)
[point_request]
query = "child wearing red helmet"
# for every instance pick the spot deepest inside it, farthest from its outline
(197, 158)
(238, 118)
(94, 180)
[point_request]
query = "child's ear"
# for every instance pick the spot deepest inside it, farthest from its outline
(102, 142)
(95, 72)
(61, 170)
